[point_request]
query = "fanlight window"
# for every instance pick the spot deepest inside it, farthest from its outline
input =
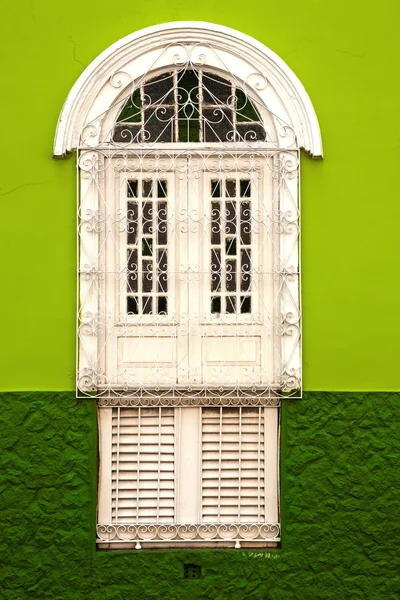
(188, 106)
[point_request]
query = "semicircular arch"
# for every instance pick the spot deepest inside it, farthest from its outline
(94, 102)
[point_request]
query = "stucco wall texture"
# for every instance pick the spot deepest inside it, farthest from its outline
(340, 508)
(346, 54)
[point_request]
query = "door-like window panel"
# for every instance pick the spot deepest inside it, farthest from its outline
(193, 289)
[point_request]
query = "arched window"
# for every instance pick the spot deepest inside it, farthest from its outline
(188, 138)
(188, 105)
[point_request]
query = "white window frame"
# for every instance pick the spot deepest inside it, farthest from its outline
(85, 125)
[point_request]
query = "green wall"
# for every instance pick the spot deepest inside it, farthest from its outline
(347, 56)
(340, 508)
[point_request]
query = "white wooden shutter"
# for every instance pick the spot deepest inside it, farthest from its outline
(233, 470)
(143, 478)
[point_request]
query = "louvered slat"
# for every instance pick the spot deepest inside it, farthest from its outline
(233, 465)
(143, 465)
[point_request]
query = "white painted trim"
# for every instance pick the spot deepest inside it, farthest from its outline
(76, 113)
(105, 465)
(271, 463)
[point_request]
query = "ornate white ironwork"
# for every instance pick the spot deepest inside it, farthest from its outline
(184, 400)
(188, 159)
(197, 532)
(189, 282)
(130, 59)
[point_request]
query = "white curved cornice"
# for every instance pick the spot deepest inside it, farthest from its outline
(294, 98)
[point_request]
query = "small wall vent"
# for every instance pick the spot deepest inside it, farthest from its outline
(191, 571)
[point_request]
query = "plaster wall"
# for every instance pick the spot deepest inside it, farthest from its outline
(345, 53)
(340, 507)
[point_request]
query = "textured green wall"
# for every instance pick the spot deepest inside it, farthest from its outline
(340, 508)
(347, 56)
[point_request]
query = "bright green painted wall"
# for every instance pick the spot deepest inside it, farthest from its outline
(345, 52)
(340, 508)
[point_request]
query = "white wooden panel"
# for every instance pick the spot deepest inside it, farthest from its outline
(189, 465)
(147, 350)
(231, 351)
(105, 469)
(233, 447)
(143, 473)
(271, 462)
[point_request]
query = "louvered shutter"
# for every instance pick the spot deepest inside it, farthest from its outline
(233, 465)
(143, 479)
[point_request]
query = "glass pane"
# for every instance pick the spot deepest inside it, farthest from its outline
(159, 124)
(231, 275)
(217, 125)
(132, 225)
(162, 305)
(189, 129)
(230, 247)
(215, 270)
(147, 247)
(159, 90)
(245, 304)
(230, 216)
(147, 276)
(245, 188)
(245, 223)
(245, 110)
(132, 110)
(188, 107)
(216, 90)
(132, 188)
(147, 218)
(250, 132)
(132, 305)
(231, 188)
(132, 260)
(231, 304)
(245, 270)
(147, 305)
(162, 224)
(147, 188)
(216, 304)
(132, 281)
(125, 133)
(216, 188)
(162, 280)
(161, 188)
(215, 223)
(188, 91)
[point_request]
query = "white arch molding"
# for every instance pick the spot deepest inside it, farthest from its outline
(100, 85)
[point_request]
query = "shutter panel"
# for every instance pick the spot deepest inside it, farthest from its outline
(233, 465)
(143, 480)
